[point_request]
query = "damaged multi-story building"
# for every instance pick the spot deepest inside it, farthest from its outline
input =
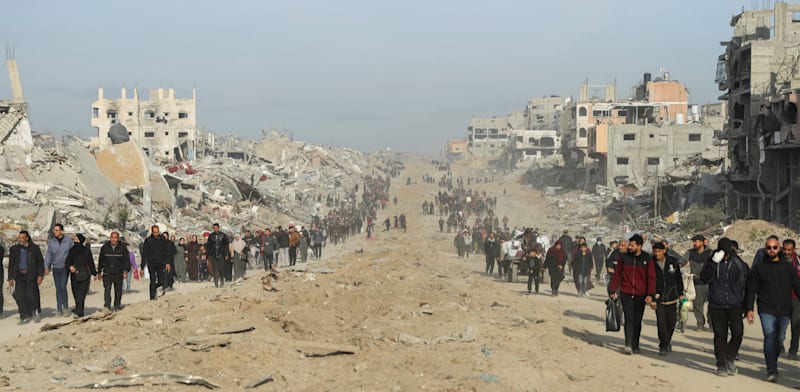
(758, 73)
(638, 140)
(530, 133)
(164, 126)
(15, 125)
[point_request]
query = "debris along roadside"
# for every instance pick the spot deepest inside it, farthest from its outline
(120, 188)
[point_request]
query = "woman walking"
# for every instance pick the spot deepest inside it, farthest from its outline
(81, 267)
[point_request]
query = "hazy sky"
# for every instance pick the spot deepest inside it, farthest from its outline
(364, 73)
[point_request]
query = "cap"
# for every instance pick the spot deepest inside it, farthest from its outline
(698, 237)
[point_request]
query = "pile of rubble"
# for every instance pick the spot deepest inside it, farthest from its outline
(120, 187)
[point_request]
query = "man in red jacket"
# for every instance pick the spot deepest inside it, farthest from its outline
(635, 278)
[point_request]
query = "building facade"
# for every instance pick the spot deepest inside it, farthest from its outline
(639, 154)
(758, 76)
(165, 126)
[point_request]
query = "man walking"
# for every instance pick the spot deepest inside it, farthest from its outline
(491, 250)
(669, 290)
(113, 267)
(25, 273)
(771, 282)
(790, 255)
(696, 258)
(156, 257)
(725, 275)
(599, 254)
(218, 254)
(635, 278)
(56, 260)
(268, 247)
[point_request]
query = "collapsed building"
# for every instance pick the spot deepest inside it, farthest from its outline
(94, 188)
(759, 76)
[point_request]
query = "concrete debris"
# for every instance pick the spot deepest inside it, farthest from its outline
(151, 379)
(259, 382)
(273, 181)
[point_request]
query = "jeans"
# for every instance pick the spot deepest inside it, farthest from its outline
(128, 280)
(583, 284)
(722, 320)
(795, 321)
(60, 277)
(666, 317)
(115, 281)
(317, 250)
(633, 308)
(774, 328)
(268, 260)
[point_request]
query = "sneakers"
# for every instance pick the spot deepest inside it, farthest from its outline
(721, 371)
(627, 351)
(65, 313)
(772, 377)
(23, 321)
(662, 352)
(637, 350)
(37, 318)
(793, 356)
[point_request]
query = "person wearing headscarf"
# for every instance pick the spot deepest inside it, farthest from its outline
(81, 267)
(554, 261)
(238, 245)
(193, 259)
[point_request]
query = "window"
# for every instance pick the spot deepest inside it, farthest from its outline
(795, 16)
(150, 134)
(629, 136)
(183, 115)
(149, 114)
(129, 134)
(652, 136)
(654, 161)
(622, 113)
(130, 114)
(183, 134)
(582, 132)
(601, 113)
(694, 137)
(582, 112)
(166, 133)
(622, 160)
(112, 114)
(166, 114)
(493, 131)
(95, 112)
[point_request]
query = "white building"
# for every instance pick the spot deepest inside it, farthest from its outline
(165, 126)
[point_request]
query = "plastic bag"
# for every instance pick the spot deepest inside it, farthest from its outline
(136, 274)
(613, 315)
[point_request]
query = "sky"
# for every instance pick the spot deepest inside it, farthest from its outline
(368, 74)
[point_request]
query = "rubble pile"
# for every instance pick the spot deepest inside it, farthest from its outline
(751, 234)
(63, 180)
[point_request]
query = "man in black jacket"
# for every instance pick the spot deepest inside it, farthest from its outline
(218, 253)
(726, 276)
(491, 249)
(113, 267)
(155, 256)
(772, 281)
(25, 274)
(669, 291)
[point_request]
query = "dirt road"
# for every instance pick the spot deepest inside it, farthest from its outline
(405, 315)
